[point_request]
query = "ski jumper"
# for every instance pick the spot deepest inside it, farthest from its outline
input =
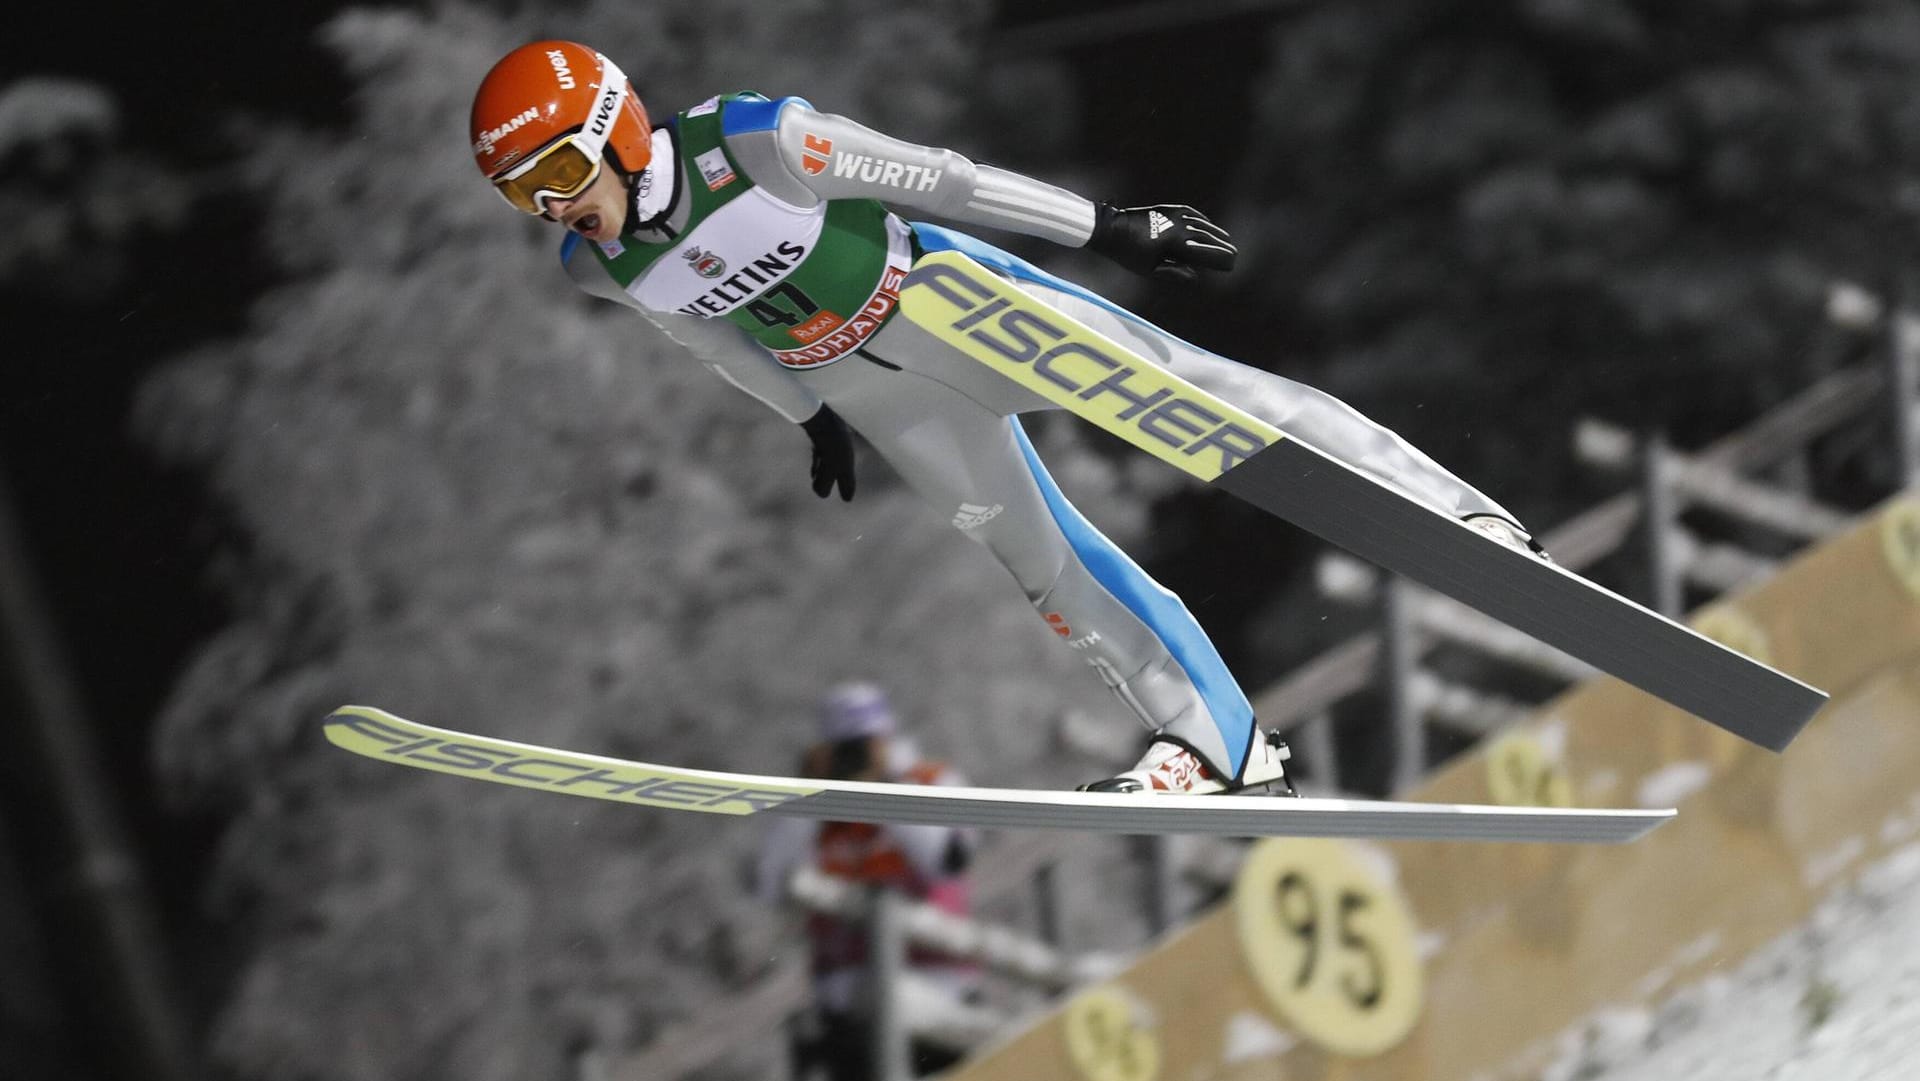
(761, 241)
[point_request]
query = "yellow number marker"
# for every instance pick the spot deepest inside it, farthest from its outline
(1736, 630)
(1330, 943)
(1107, 1039)
(1900, 542)
(1520, 773)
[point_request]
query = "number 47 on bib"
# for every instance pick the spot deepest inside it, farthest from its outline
(1072, 365)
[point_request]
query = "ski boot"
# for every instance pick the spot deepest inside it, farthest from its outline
(1169, 768)
(1506, 531)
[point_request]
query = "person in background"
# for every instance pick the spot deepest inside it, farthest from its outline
(859, 740)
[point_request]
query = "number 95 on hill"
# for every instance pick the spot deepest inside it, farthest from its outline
(1327, 938)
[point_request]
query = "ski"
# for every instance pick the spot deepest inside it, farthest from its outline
(383, 736)
(1063, 360)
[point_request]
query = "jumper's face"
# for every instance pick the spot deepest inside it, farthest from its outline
(598, 212)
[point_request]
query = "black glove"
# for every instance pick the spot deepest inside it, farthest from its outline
(1167, 241)
(832, 453)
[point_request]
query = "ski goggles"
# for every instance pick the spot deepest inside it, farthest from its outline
(566, 166)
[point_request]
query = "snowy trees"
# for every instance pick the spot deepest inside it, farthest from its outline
(1612, 206)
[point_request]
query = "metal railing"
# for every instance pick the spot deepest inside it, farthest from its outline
(1722, 479)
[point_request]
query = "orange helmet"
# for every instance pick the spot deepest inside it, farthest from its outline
(546, 115)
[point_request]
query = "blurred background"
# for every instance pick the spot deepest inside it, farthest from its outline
(298, 414)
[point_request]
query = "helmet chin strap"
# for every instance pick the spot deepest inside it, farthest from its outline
(630, 220)
(663, 168)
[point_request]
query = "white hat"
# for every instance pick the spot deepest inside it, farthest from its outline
(853, 711)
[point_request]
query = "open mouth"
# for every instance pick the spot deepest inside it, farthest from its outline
(586, 224)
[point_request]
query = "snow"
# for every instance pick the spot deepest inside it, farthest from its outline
(1685, 957)
(1837, 999)
(1671, 785)
(1250, 1037)
(1826, 865)
(40, 109)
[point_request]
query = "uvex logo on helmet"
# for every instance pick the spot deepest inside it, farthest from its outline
(603, 114)
(560, 69)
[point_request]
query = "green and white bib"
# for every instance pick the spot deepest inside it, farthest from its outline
(811, 284)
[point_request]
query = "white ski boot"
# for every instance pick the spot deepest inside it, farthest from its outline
(1506, 531)
(1168, 768)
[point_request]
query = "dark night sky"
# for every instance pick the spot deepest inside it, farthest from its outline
(119, 545)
